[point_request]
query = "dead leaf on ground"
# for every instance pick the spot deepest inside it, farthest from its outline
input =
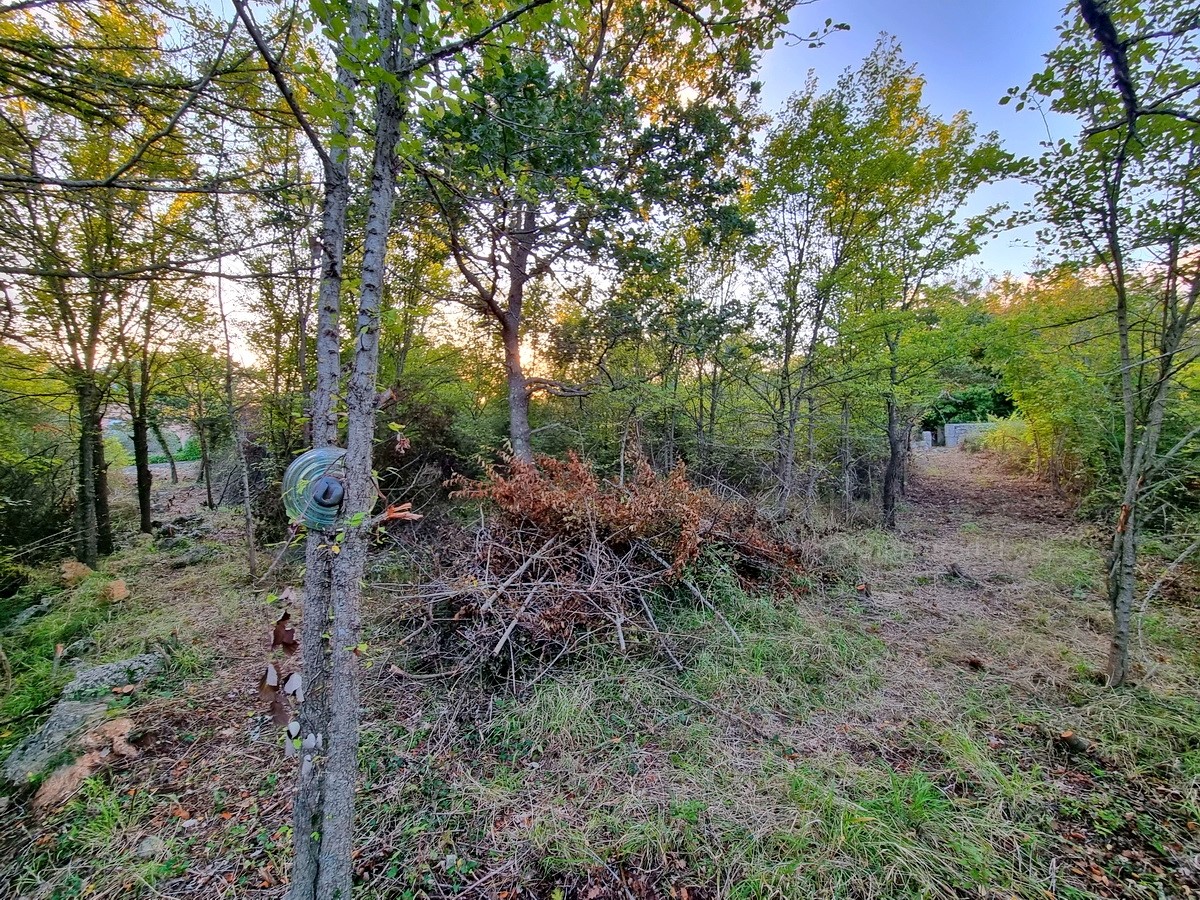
(279, 712)
(65, 781)
(268, 685)
(294, 686)
(74, 572)
(284, 635)
(113, 733)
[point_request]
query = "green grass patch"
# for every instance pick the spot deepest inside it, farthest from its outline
(1066, 565)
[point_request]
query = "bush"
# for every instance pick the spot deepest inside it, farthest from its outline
(115, 454)
(187, 453)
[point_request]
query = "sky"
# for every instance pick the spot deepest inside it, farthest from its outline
(970, 52)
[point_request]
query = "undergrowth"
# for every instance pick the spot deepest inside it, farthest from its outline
(618, 773)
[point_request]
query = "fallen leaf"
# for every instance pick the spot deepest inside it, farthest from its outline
(284, 635)
(180, 813)
(294, 686)
(268, 685)
(66, 781)
(401, 513)
(74, 572)
(113, 733)
(279, 712)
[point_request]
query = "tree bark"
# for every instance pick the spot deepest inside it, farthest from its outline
(323, 867)
(891, 474)
(519, 433)
(846, 459)
(104, 532)
(308, 806)
(335, 868)
(205, 460)
(87, 542)
(141, 459)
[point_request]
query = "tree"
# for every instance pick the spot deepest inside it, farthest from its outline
(1121, 202)
(392, 62)
(569, 147)
(923, 170)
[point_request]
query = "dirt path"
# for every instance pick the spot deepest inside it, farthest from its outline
(991, 575)
(991, 610)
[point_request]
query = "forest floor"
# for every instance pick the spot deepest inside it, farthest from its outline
(924, 717)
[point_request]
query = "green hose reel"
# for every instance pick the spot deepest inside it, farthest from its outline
(314, 487)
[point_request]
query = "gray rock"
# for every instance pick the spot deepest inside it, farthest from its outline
(199, 555)
(28, 614)
(152, 847)
(78, 648)
(102, 679)
(33, 754)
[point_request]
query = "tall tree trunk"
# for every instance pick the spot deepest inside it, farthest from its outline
(519, 433)
(205, 460)
(1122, 572)
(104, 532)
(810, 482)
(846, 458)
(891, 474)
(239, 432)
(327, 863)
(335, 864)
(308, 806)
(87, 535)
(787, 449)
(141, 459)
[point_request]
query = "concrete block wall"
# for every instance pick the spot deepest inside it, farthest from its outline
(957, 432)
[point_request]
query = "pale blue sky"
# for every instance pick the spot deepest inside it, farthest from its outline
(970, 52)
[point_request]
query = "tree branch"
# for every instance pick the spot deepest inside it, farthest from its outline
(285, 89)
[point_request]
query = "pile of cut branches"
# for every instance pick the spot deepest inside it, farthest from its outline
(566, 557)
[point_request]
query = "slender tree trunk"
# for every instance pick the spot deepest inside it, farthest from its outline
(141, 459)
(787, 449)
(891, 474)
(239, 432)
(523, 224)
(308, 807)
(810, 483)
(335, 872)
(326, 865)
(1122, 573)
(104, 532)
(205, 460)
(87, 535)
(166, 448)
(846, 459)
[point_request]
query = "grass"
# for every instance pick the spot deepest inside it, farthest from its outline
(837, 747)
(722, 777)
(1067, 565)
